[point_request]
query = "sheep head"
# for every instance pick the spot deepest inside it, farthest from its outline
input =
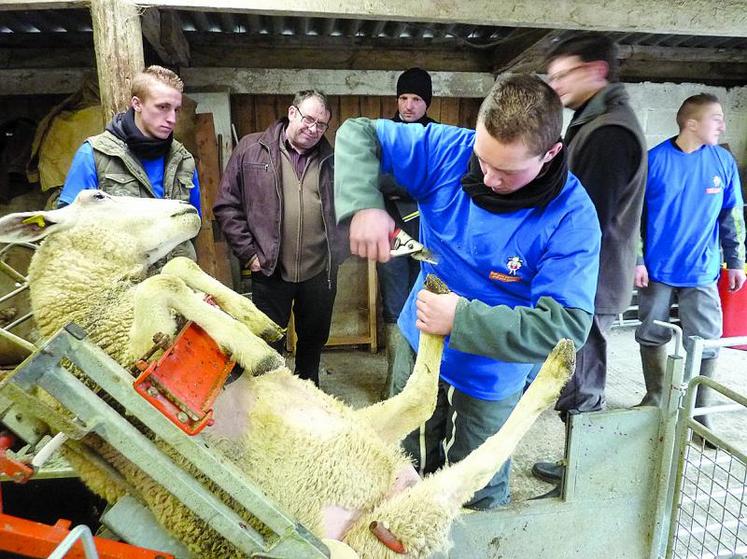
(150, 227)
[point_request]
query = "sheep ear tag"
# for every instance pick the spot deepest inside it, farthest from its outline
(37, 220)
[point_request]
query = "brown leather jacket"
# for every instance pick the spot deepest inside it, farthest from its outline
(249, 206)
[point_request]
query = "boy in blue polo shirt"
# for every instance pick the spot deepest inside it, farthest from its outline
(693, 204)
(518, 243)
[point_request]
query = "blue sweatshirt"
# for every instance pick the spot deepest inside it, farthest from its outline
(511, 259)
(693, 203)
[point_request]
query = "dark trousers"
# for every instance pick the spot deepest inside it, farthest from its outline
(312, 301)
(396, 279)
(585, 391)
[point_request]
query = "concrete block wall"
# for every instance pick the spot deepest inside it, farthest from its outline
(656, 106)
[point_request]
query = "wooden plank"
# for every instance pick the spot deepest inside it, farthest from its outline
(434, 111)
(450, 111)
(41, 82)
(468, 109)
(265, 111)
(328, 52)
(118, 40)
(173, 39)
(334, 124)
(150, 22)
(371, 106)
(373, 297)
(243, 115)
(525, 52)
(212, 252)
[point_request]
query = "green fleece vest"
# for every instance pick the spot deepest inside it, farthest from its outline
(120, 173)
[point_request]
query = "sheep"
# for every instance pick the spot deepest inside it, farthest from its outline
(335, 469)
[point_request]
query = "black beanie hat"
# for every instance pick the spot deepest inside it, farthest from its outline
(417, 81)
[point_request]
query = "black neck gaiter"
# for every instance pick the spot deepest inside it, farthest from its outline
(538, 193)
(123, 127)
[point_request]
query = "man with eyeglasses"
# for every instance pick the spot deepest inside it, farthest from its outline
(276, 209)
(606, 151)
(518, 245)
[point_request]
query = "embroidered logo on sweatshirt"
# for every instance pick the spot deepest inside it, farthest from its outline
(513, 265)
(717, 186)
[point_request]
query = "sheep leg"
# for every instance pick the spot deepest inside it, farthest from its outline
(421, 516)
(241, 308)
(394, 418)
(158, 296)
(461, 480)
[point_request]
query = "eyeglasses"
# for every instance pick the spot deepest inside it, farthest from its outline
(564, 74)
(308, 121)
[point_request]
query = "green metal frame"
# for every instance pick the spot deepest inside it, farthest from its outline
(93, 415)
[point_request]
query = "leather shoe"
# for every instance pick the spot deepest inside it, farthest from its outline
(554, 492)
(551, 472)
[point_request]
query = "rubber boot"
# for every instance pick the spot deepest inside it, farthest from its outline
(703, 397)
(391, 333)
(654, 360)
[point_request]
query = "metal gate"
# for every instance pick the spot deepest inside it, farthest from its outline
(19, 289)
(709, 512)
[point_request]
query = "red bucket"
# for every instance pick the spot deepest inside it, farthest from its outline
(734, 307)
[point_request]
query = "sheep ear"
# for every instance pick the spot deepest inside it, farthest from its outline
(30, 226)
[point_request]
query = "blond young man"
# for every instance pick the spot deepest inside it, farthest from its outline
(137, 155)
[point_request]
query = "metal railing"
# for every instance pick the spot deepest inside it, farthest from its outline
(709, 513)
(20, 287)
(82, 533)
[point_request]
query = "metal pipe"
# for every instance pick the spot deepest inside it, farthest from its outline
(82, 533)
(46, 452)
(13, 293)
(31, 348)
(18, 321)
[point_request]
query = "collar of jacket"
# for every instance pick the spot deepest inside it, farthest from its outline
(271, 137)
(612, 94)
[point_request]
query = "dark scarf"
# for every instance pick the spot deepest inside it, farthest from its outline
(538, 193)
(425, 119)
(123, 127)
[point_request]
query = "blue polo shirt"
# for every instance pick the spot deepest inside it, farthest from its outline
(685, 194)
(508, 259)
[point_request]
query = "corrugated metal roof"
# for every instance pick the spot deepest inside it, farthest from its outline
(79, 20)
(201, 27)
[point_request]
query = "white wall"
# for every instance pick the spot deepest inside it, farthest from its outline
(656, 106)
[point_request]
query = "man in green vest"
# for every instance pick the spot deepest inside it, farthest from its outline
(137, 155)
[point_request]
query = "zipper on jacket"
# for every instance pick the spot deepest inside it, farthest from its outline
(277, 191)
(324, 222)
(263, 165)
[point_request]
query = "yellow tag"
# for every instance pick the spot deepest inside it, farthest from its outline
(38, 219)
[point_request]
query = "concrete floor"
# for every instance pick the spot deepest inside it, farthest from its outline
(357, 377)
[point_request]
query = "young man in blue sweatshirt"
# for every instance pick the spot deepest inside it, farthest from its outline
(692, 207)
(518, 241)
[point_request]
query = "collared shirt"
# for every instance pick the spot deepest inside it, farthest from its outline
(298, 160)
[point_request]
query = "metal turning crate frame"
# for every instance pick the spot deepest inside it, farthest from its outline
(21, 287)
(709, 495)
(92, 415)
